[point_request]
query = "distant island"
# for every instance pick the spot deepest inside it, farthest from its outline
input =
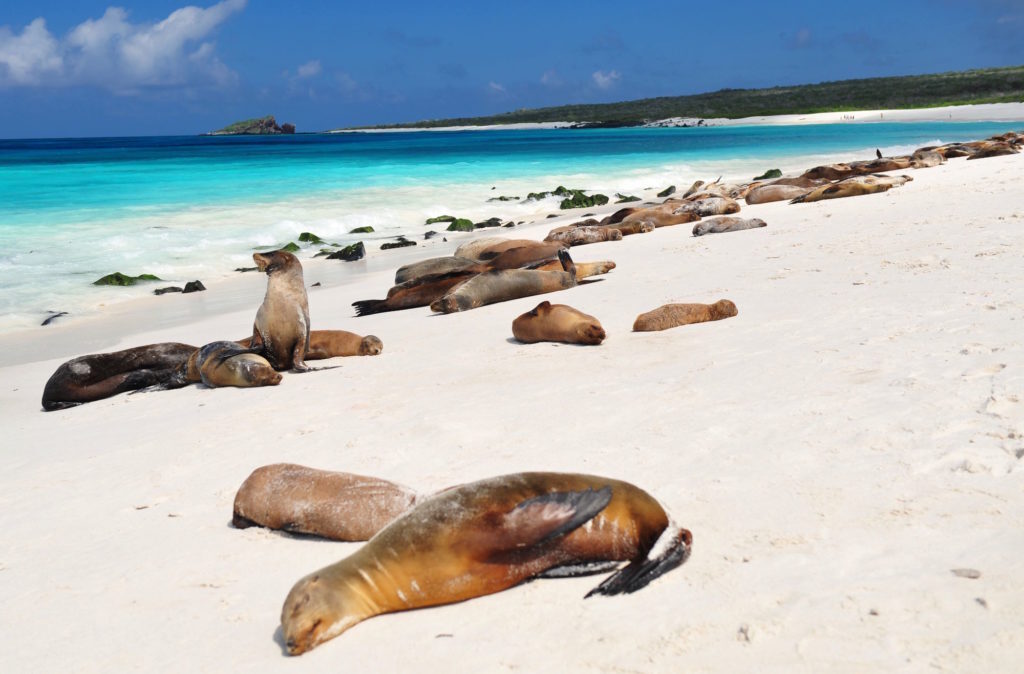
(259, 126)
(989, 85)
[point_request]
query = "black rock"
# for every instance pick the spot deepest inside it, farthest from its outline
(356, 251)
(461, 225)
(315, 285)
(769, 174)
(489, 222)
(429, 235)
(310, 237)
(54, 315)
(194, 287)
(668, 191)
(244, 269)
(168, 289)
(402, 242)
(362, 230)
(119, 279)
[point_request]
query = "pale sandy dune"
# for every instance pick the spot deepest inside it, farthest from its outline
(852, 436)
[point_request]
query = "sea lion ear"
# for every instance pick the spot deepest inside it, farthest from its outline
(543, 307)
(548, 516)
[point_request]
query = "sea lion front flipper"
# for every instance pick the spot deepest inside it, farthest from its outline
(670, 550)
(581, 569)
(550, 515)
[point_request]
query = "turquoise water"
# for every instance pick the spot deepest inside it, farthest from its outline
(72, 210)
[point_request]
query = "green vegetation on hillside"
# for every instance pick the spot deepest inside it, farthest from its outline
(990, 85)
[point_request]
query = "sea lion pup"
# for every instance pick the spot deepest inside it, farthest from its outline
(506, 284)
(333, 343)
(549, 322)
(769, 193)
(281, 328)
(993, 149)
(230, 364)
(853, 187)
(580, 236)
(693, 188)
(485, 537)
(926, 159)
(673, 315)
(339, 506)
(101, 375)
(665, 215)
(726, 224)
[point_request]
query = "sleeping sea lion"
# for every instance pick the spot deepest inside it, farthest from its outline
(339, 506)
(852, 187)
(549, 322)
(485, 537)
(281, 329)
(507, 284)
(726, 224)
(230, 364)
(634, 227)
(101, 375)
(769, 193)
(432, 266)
(926, 159)
(333, 343)
(993, 149)
(487, 247)
(709, 206)
(674, 315)
(665, 215)
(579, 236)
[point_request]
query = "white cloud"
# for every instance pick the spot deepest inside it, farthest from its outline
(307, 70)
(605, 80)
(550, 78)
(496, 88)
(113, 53)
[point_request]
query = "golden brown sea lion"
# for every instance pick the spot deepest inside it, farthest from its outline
(549, 322)
(769, 193)
(339, 506)
(333, 343)
(993, 149)
(487, 247)
(230, 364)
(673, 315)
(852, 187)
(485, 537)
(101, 375)
(281, 328)
(665, 215)
(500, 286)
(726, 224)
(632, 227)
(579, 236)
(830, 172)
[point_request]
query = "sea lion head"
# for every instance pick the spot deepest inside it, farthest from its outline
(724, 309)
(274, 261)
(370, 346)
(312, 613)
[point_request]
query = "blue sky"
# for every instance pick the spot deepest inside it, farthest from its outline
(85, 68)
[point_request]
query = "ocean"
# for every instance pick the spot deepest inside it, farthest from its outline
(183, 208)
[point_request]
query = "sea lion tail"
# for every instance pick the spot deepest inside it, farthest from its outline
(670, 550)
(367, 307)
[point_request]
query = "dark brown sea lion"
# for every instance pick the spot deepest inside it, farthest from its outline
(487, 247)
(339, 506)
(830, 172)
(485, 537)
(852, 187)
(433, 266)
(674, 315)
(231, 364)
(281, 329)
(101, 375)
(726, 224)
(549, 322)
(579, 236)
(620, 215)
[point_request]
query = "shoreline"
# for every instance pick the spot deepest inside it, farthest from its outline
(846, 450)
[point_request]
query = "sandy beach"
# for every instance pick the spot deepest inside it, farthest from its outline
(838, 449)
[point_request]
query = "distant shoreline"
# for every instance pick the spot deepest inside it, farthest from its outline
(994, 112)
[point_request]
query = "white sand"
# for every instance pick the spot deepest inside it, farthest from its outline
(837, 449)
(992, 112)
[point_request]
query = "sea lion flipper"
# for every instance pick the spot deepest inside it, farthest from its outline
(550, 515)
(581, 569)
(666, 555)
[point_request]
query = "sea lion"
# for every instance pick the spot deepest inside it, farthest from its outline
(230, 364)
(852, 187)
(101, 375)
(507, 284)
(579, 236)
(665, 215)
(769, 193)
(829, 172)
(620, 215)
(926, 159)
(709, 206)
(433, 266)
(487, 247)
(549, 322)
(339, 506)
(726, 224)
(993, 149)
(485, 537)
(693, 189)
(334, 343)
(674, 315)
(633, 227)
(281, 328)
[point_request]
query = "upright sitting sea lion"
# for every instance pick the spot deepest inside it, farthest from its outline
(281, 329)
(101, 375)
(726, 224)
(339, 506)
(230, 364)
(674, 315)
(484, 537)
(549, 322)
(507, 284)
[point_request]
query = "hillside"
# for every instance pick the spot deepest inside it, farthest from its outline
(990, 85)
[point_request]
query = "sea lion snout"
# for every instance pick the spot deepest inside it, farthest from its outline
(592, 333)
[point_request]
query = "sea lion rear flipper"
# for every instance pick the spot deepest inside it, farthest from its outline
(547, 516)
(663, 557)
(581, 569)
